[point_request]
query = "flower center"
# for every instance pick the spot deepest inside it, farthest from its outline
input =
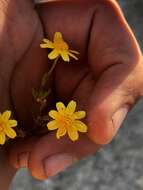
(61, 45)
(66, 120)
(1, 127)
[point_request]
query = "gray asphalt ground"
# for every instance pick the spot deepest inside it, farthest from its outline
(120, 165)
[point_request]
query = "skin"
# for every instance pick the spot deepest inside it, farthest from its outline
(19, 43)
(106, 80)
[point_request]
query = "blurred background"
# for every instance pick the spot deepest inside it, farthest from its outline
(120, 165)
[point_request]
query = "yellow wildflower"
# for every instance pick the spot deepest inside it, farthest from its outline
(66, 120)
(6, 125)
(60, 48)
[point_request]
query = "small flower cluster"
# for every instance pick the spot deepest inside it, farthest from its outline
(66, 120)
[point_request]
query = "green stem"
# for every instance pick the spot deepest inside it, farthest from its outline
(47, 75)
(42, 90)
(53, 66)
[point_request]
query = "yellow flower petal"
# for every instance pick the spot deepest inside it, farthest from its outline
(80, 126)
(53, 114)
(12, 123)
(57, 36)
(10, 132)
(72, 55)
(44, 46)
(54, 54)
(48, 43)
(2, 138)
(73, 133)
(66, 120)
(60, 48)
(60, 107)
(61, 132)
(75, 52)
(71, 107)
(79, 114)
(52, 125)
(65, 56)
(6, 115)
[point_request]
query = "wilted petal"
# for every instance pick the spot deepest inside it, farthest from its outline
(75, 52)
(73, 56)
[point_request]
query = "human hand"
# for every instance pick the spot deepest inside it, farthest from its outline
(106, 82)
(20, 35)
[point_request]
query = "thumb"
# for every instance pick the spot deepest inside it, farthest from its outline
(115, 93)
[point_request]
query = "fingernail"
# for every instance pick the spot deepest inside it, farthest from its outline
(23, 159)
(58, 163)
(119, 116)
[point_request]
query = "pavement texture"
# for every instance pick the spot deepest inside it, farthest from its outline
(119, 166)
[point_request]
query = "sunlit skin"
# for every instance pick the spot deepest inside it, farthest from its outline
(107, 76)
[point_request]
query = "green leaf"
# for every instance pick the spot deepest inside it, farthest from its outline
(44, 94)
(35, 93)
